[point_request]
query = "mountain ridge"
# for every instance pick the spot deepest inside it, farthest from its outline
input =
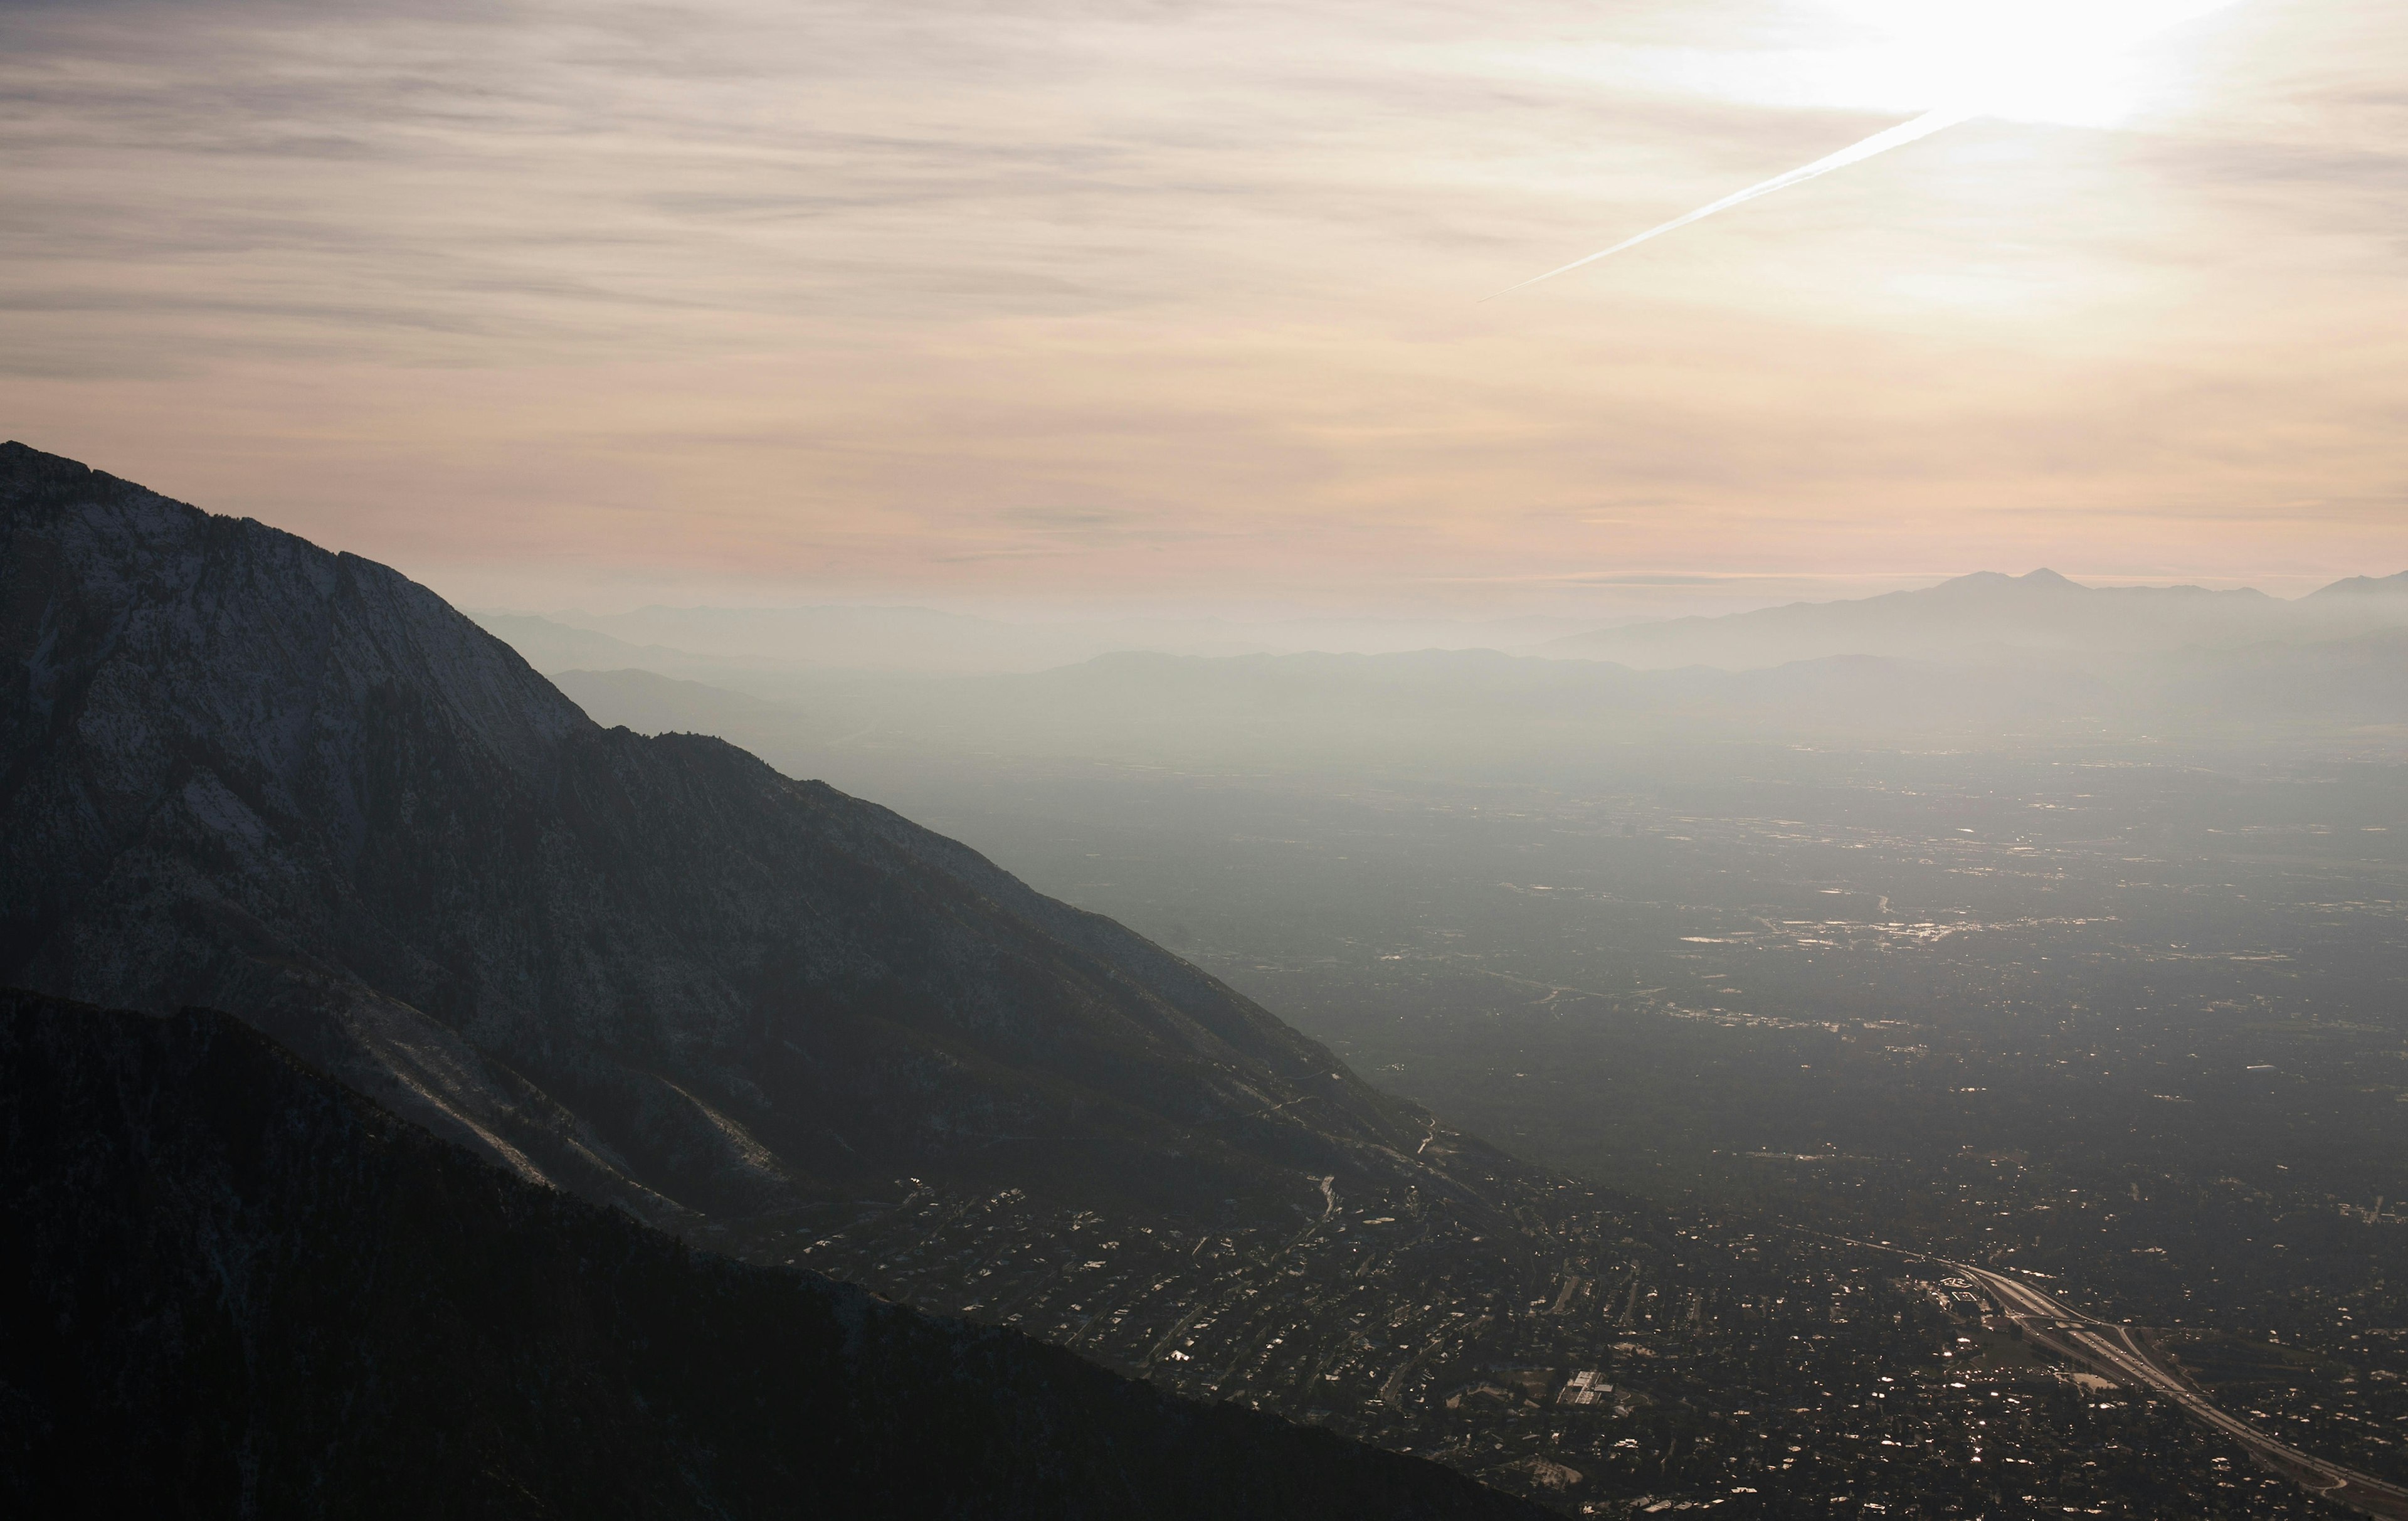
(2039, 614)
(243, 771)
(2396, 585)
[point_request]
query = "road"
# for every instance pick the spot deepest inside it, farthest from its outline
(2115, 1352)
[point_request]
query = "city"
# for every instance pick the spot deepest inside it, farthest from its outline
(1582, 1354)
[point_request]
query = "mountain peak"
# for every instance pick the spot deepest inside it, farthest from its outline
(2041, 579)
(2366, 586)
(1992, 617)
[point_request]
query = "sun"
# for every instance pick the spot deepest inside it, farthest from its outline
(2068, 61)
(2082, 63)
(2050, 60)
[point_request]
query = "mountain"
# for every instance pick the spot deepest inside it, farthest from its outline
(554, 646)
(233, 1288)
(2362, 586)
(897, 638)
(1988, 617)
(240, 771)
(2328, 684)
(713, 643)
(1480, 715)
(1451, 713)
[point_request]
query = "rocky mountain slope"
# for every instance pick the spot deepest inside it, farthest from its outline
(233, 1288)
(241, 771)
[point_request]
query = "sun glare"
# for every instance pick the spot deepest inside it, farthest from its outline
(2050, 58)
(2075, 61)
(2067, 60)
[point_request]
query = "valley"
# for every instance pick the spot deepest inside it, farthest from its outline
(1037, 760)
(2126, 1017)
(1618, 1125)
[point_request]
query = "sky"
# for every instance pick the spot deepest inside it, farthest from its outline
(1175, 305)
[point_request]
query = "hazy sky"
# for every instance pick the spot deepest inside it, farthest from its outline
(1101, 303)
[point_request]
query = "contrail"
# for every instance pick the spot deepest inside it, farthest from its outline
(2138, 19)
(1879, 142)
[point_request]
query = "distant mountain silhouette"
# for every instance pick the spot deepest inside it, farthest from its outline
(1987, 616)
(232, 1288)
(2367, 586)
(1464, 713)
(1453, 710)
(713, 643)
(550, 646)
(240, 771)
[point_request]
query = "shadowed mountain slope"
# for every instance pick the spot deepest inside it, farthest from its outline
(239, 770)
(233, 1288)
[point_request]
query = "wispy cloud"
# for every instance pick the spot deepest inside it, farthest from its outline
(1172, 296)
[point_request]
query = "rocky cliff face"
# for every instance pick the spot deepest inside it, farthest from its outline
(233, 1288)
(239, 770)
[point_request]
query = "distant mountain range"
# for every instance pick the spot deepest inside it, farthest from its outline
(704, 643)
(549, 646)
(1477, 714)
(2368, 586)
(1992, 617)
(1988, 618)
(243, 772)
(1979, 658)
(233, 1288)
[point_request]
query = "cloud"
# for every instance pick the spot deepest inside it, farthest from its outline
(1164, 296)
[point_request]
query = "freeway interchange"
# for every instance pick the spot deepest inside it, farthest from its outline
(2115, 1352)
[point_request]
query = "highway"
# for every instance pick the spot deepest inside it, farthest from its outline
(2113, 1351)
